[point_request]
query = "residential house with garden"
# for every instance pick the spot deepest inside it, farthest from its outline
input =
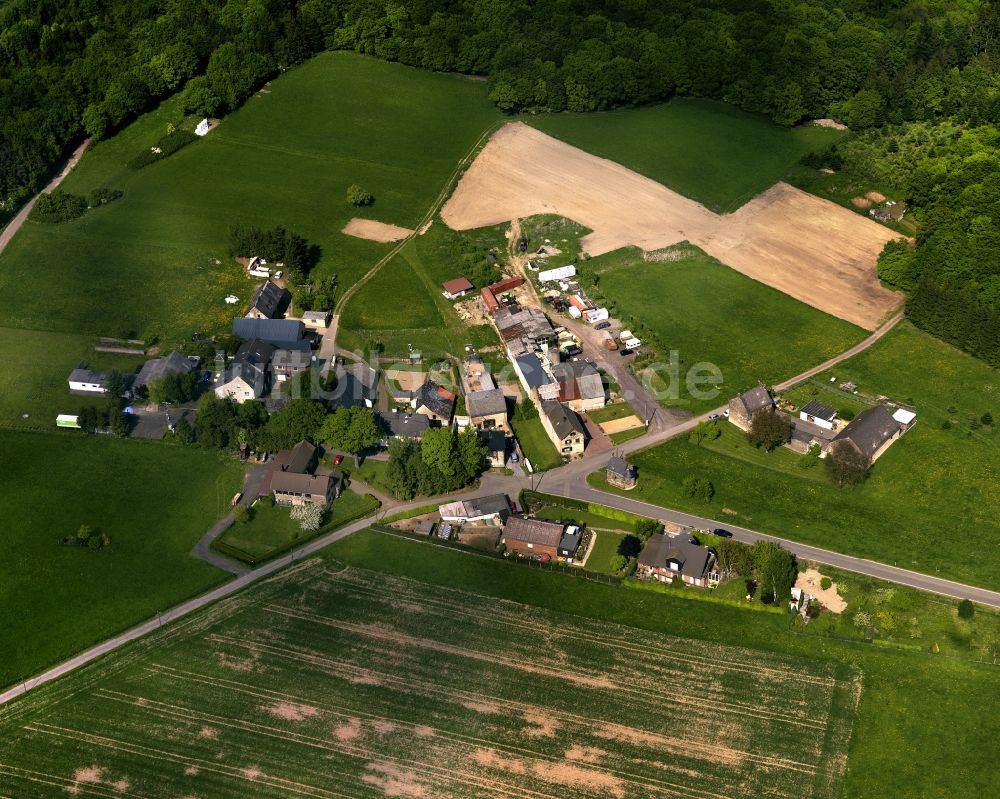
(667, 557)
(540, 539)
(563, 427)
(296, 479)
(871, 432)
(435, 402)
(269, 301)
(743, 407)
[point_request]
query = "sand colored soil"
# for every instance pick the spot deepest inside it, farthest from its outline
(861, 202)
(809, 580)
(830, 123)
(812, 249)
(406, 380)
(875, 197)
(618, 425)
(375, 231)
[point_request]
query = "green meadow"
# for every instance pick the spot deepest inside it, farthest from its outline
(706, 150)
(709, 313)
(146, 264)
(931, 502)
(154, 501)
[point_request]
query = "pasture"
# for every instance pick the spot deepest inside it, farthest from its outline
(934, 488)
(331, 681)
(709, 151)
(146, 264)
(709, 313)
(153, 500)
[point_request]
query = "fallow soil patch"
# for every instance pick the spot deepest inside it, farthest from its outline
(375, 231)
(812, 249)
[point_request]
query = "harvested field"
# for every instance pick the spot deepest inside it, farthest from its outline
(364, 685)
(810, 248)
(375, 231)
(618, 425)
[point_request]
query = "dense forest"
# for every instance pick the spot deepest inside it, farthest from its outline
(75, 67)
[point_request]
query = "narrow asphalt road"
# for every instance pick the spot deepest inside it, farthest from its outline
(15, 224)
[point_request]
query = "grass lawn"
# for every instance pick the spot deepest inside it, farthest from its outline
(934, 490)
(711, 314)
(609, 413)
(271, 529)
(38, 386)
(402, 305)
(828, 394)
(709, 151)
(154, 501)
(536, 444)
(146, 263)
(903, 745)
(605, 548)
(627, 435)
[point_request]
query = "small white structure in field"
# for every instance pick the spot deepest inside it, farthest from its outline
(905, 418)
(574, 312)
(232, 299)
(202, 128)
(819, 414)
(625, 335)
(632, 343)
(596, 315)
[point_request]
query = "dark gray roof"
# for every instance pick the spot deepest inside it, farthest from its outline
(269, 299)
(493, 503)
(532, 370)
(693, 559)
(486, 403)
(436, 399)
(291, 359)
(621, 466)
(570, 541)
(357, 385)
(172, 364)
(255, 351)
(533, 531)
(81, 375)
(298, 459)
(870, 429)
(495, 440)
(819, 410)
(251, 373)
(755, 399)
(284, 333)
(563, 420)
(405, 425)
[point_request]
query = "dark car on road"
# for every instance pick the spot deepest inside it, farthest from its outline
(722, 533)
(602, 325)
(624, 352)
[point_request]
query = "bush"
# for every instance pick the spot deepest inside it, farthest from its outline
(986, 418)
(946, 424)
(825, 583)
(359, 197)
(846, 414)
(699, 488)
(104, 196)
(241, 515)
(966, 610)
(58, 206)
(168, 145)
(618, 562)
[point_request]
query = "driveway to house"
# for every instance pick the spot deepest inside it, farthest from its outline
(252, 485)
(15, 224)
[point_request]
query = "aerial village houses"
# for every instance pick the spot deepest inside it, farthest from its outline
(493, 509)
(743, 407)
(459, 287)
(404, 425)
(580, 385)
(158, 368)
(286, 364)
(496, 447)
(316, 320)
(269, 301)
(285, 334)
(88, 381)
(487, 409)
(871, 432)
(357, 386)
(563, 426)
(247, 377)
(296, 480)
(540, 539)
(665, 557)
(434, 402)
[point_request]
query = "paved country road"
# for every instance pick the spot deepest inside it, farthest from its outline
(15, 224)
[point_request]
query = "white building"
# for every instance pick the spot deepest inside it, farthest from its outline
(202, 129)
(559, 273)
(89, 381)
(819, 414)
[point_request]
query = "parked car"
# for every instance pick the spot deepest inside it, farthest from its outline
(602, 325)
(236, 498)
(513, 457)
(714, 416)
(624, 352)
(726, 413)
(338, 459)
(722, 533)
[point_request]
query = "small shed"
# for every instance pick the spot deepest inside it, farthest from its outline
(458, 287)
(203, 128)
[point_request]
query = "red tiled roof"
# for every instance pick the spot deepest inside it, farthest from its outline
(457, 285)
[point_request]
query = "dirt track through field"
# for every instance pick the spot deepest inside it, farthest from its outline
(811, 249)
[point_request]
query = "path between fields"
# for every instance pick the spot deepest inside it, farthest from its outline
(15, 224)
